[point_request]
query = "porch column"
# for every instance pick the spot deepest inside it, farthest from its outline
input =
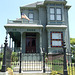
(12, 44)
(41, 41)
(21, 42)
(49, 45)
(10, 41)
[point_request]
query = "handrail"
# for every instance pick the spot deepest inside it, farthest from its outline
(23, 22)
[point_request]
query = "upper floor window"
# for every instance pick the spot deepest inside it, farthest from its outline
(56, 39)
(52, 14)
(31, 17)
(55, 14)
(58, 13)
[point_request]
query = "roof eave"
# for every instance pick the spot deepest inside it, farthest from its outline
(23, 25)
(56, 2)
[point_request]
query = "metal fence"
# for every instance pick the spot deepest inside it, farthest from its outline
(31, 62)
(35, 62)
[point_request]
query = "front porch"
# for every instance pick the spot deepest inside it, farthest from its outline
(27, 38)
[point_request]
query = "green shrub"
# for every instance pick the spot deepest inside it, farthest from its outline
(1, 56)
(14, 57)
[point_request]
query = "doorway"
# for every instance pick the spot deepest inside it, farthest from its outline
(30, 42)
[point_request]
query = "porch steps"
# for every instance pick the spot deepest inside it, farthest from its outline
(30, 66)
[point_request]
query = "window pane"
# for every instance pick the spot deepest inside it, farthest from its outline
(30, 15)
(52, 17)
(58, 17)
(33, 42)
(31, 21)
(58, 10)
(51, 10)
(56, 43)
(28, 42)
(56, 35)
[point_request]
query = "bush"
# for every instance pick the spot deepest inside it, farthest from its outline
(73, 60)
(1, 56)
(14, 57)
(10, 71)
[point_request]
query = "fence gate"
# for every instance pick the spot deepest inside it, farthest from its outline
(31, 62)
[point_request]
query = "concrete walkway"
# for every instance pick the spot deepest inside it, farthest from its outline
(32, 74)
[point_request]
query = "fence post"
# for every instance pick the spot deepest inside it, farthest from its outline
(4, 56)
(20, 63)
(43, 60)
(65, 65)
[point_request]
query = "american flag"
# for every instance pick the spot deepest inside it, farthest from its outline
(24, 16)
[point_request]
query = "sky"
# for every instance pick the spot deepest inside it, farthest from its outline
(10, 9)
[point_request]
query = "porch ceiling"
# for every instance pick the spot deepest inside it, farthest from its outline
(16, 36)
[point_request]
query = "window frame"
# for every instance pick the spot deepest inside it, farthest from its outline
(57, 14)
(31, 18)
(53, 14)
(56, 39)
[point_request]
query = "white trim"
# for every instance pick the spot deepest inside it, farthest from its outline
(56, 26)
(23, 25)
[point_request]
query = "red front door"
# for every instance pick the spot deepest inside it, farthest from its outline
(30, 44)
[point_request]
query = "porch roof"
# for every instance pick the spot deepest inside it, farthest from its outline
(56, 26)
(24, 25)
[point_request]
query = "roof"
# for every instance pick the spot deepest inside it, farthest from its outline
(34, 4)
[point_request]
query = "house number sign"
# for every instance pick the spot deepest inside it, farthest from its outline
(14, 29)
(30, 29)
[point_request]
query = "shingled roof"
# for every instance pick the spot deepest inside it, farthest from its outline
(34, 4)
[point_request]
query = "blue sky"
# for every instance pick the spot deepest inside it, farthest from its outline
(9, 9)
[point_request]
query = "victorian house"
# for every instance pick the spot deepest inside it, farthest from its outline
(46, 28)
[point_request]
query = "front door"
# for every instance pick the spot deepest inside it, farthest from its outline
(30, 43)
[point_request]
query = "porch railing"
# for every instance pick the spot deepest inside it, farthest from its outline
(23, 22)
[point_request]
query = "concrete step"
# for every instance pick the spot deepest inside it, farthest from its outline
(32, 74)
(30, 66)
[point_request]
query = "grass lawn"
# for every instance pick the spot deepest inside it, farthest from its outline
(0, 65)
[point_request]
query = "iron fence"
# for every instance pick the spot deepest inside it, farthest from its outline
(32, 62)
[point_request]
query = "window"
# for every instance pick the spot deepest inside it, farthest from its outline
(56, 39)
(58, 13)
(31, 17)
(52, 14)
(55, 14)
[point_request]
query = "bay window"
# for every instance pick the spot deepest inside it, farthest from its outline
(56, 39)
(55, 14)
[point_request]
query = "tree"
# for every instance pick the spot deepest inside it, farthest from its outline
(72, 42)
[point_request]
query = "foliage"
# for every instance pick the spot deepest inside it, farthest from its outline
(54, 72)
(71, 69)
(1, 56)
(10, 71)
(0, 65)
(72, 41)
(14, 56)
